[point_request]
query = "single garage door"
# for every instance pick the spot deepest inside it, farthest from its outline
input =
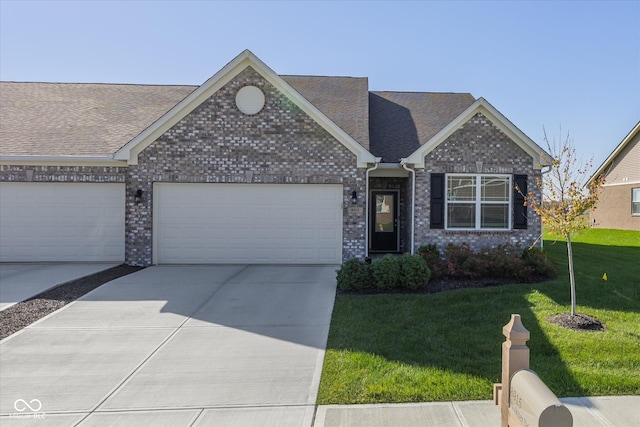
(247, 223)
(61, 222)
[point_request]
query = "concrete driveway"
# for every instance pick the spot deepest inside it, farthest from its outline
(176, 346)
(21, 281)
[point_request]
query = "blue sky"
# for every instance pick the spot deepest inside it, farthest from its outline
(571, 64)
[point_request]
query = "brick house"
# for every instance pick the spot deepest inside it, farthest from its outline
(255, 167)
(619, 201)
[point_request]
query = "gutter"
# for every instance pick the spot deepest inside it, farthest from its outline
(403, 163)
(366, 198)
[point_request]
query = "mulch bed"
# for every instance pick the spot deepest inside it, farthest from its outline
(24, 313)
(579, 322)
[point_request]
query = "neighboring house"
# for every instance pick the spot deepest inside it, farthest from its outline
(619, 201)
(254, 167)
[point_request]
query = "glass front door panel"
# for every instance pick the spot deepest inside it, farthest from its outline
(384, 221)
(384, 213)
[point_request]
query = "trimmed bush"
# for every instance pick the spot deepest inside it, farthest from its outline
(353, 275)
(414, 272)
(385, 272)
(431, 255)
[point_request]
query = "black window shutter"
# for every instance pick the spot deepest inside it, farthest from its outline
(519, 209)
(437, 200)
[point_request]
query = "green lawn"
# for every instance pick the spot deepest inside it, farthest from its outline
(447, 346)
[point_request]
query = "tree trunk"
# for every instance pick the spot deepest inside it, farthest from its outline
(572, 279)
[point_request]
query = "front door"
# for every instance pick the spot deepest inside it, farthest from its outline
(384, 221)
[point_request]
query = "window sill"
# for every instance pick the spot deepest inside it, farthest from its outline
(463, 231)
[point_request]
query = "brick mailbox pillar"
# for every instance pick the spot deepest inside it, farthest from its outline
(515, 356)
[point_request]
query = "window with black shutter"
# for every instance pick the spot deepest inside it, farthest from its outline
(519, 209)
(437, 200)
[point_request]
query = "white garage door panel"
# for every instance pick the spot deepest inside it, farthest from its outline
(61, 222)
(247, 223)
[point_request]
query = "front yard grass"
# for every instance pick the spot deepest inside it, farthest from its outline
(447, 346)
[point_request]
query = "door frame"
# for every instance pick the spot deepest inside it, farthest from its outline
(372, 212)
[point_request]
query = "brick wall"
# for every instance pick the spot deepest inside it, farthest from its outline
(216, 143)
(478, 140)
(99, 174)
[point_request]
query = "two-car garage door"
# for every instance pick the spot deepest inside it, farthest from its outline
(192, 223)
(247, 223)
(61, 222)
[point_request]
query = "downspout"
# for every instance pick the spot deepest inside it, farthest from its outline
(403, 163)
(366, 199)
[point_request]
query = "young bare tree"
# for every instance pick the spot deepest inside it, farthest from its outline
(565, 199)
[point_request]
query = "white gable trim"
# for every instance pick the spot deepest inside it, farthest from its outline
(539, 156)
(131, 150)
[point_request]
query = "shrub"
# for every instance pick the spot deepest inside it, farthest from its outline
(385, 272)
(503, 261)
(537, 261)
(455, 258)
(414, 272)
(431, 255)
(353, 275)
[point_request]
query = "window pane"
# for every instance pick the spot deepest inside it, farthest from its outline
(461, 188)
(461, 215)
(494, 216)
(635, 199)
(384, 213)
(495, 189)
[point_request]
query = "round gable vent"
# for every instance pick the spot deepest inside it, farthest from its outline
(250, 100)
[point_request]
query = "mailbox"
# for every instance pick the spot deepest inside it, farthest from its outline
(532, 404)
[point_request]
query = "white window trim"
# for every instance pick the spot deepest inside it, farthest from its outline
(633, 201)
(478, 202)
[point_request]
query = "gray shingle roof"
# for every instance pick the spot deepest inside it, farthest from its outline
(345, 100)
(69, 119)
(54, 119)
(400, 122)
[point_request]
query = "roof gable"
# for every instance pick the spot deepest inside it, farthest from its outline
(537, 153)
(130, 151)
(604, 167)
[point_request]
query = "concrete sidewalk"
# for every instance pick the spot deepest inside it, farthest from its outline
(603, 411)
(21, 281)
